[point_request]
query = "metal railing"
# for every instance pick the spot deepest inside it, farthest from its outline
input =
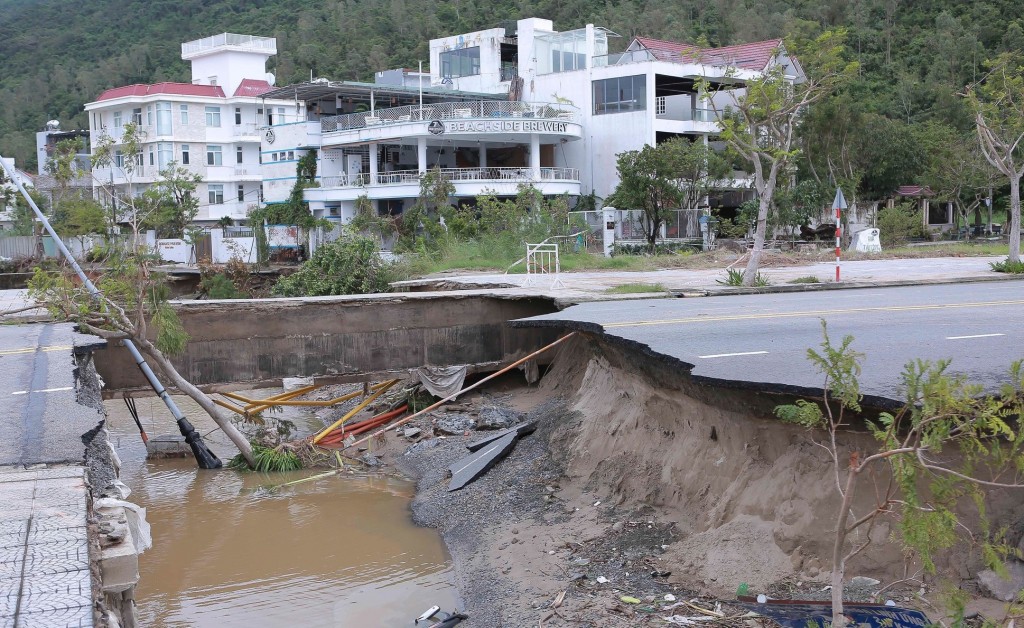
(252, 42)
(244, 129)
(399, 177)
(619, 58)
(686, 115)
(487, 109)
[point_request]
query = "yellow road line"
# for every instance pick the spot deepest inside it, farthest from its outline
(854, 310)
(34, 349)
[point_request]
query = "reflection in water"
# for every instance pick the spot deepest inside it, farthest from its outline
(228, 552)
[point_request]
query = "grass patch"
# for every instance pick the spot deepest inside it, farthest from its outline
(1006, 266)
(636, 288)
(268, 460)
(807, 279)
(734, 278)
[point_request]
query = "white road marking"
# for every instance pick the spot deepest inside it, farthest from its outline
(729, 355)
(25, 392)
(974, 336)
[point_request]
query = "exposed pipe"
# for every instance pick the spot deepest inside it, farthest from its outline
(466, 389)
(206, 458)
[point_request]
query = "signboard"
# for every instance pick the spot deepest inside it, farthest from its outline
(504, 126)
(282, 237)
(807, 614)
(436, 127)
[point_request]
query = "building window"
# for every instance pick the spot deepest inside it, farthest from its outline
(183, 112)
(137, 116)
(213, 116)
(117, 120)
(138, 159)
(238, 154)
(214, 155)
(291, 155)
(625, 93)
(163, 118)
(164, 155)
(238, 115)
(461, 62)
(149, 115)
(118, 159)
(241, 192)
(184, 154)
(660, 105)
(216, 193)
(152, 156)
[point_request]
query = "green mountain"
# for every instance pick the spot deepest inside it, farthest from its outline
(55, 55)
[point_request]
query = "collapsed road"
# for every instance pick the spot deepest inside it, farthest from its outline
(761, 341)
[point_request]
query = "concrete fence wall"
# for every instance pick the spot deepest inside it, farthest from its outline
(339, 338)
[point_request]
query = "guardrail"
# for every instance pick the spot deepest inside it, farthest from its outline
(399, 177)
(486, 109)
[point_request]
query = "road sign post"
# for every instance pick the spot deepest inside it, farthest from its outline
(839, 204)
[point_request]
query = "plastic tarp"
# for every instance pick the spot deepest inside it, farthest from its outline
(442, 381)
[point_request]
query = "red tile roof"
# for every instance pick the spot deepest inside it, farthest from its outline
(176, 89)
(252, 87)
(667, 50)
(915, 190)
(753, 56)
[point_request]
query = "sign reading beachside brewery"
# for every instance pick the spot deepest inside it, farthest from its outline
(505, 126)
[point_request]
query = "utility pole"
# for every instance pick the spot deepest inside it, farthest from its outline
(206, 458)
(839, 204)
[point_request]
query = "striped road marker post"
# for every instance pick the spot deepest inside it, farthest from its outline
(839, 204)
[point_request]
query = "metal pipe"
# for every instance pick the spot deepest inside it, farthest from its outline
(206, 458)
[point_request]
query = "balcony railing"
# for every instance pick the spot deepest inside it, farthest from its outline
(620, 58)
(685, 114)
(400, 177)
(241, 130)
(450, 110)
(250, 42)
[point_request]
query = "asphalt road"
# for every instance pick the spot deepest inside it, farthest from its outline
(40, 419)
(762, 340)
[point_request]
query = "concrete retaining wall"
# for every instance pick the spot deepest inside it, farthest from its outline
(339, 338)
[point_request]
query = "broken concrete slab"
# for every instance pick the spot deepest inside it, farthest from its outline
(455, 423)
(520, 430)
(1000, 589)
(473, 466)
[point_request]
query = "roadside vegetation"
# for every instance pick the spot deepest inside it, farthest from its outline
(635, 288)
(932, 498)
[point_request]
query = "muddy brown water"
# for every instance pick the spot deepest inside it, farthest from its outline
(230, 550)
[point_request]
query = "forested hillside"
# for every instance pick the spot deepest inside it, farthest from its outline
(915, 56)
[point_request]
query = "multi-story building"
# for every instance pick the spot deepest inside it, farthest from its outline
(517, 104)
(80, 185)
(210, 126)
(9, 191)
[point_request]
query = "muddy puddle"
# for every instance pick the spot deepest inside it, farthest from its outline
(230, 551)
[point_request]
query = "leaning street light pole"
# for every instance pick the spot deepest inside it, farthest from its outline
(206, 458)
(839, 204)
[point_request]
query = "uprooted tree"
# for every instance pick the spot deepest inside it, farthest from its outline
(760, 121)
(945, 446)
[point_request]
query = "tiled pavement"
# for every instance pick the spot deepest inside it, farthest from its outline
(44, 548)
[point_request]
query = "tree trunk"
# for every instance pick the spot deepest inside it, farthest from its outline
(1014, 218)
(838, 556)
(200, 398)
(750, 274)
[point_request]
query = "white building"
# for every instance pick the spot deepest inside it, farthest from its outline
(9, 192)
(210, 126)
(521, 104)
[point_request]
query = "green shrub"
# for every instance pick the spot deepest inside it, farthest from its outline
(349, 265)
(734, 277)
(662, 248)
(220, 286)
(1006, 266)
(267, 460)
(899, 224)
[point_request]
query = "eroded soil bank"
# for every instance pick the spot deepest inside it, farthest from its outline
(655, 484)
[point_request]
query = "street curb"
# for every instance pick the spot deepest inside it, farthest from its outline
(818, 287)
